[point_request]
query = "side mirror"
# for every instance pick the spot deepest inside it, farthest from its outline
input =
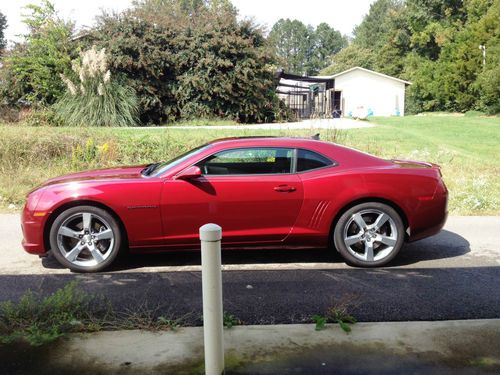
(189, 173)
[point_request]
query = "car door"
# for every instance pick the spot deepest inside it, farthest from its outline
(252, 193)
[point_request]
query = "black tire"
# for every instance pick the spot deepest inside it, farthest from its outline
(100, 221)
(385, 242)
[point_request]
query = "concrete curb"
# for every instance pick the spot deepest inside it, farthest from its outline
(466, 346)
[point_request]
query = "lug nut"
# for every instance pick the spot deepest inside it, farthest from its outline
(83, 243)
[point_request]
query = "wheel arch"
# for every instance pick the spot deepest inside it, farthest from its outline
(351, 204)
(54, 214)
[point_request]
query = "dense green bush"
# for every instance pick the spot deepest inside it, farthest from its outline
(146, 53)
(98, 99)
(225, 71)
(183, 60)
(191, 59)
(32, 69)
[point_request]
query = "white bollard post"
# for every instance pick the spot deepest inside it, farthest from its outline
(211, 276)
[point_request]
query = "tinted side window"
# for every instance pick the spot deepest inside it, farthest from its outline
(307, 160)
(248, 161)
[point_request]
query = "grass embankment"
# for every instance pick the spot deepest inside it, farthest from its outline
(468, 149)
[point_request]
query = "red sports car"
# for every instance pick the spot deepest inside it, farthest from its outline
(263, 192)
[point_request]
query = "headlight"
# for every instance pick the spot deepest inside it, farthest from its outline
(33, 198)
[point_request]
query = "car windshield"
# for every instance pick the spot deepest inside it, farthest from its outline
(161, 167)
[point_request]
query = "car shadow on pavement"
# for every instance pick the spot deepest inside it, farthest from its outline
(444, 245)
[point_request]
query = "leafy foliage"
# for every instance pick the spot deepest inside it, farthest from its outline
(3, 26)
(336, 314)
(229, 320)
(435, 45)
(97, 99)
(32, 69)
(145, 53)
(349, 57)
(191, 59)
(291, 40)
(319, 321)
(302, 49)
(225, 71)
(41, 320)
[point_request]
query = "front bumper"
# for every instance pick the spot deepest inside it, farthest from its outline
(32, 227)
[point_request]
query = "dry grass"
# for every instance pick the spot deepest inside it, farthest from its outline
(467, 148)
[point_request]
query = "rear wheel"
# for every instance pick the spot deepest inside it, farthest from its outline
(369, 234)
(85, 239)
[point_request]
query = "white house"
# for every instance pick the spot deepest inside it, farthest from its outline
(362, 90)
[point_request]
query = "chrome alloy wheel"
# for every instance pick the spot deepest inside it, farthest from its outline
(85, 239)
(370, 235)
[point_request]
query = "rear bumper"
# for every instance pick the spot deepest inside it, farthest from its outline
(32, 228)
(430, 218)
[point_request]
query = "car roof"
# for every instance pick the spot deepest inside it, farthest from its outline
(273, 140)
(339, 153)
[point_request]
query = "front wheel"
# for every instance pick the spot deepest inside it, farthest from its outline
(369, 234)
(85, 239)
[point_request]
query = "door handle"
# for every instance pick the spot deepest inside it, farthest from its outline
(285, 189)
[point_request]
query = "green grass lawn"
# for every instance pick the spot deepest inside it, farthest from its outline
(467, 148)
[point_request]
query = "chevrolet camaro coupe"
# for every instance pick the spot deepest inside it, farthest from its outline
(264, 192)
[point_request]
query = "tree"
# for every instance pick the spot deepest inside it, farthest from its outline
(349, 57)
(181, 14)
(190, 59)
(433, 22)
(226, 71)
(446, 42)
(147, 55)
(3, 26)
(327, 43)
(434, 44)
(292, 43)
(34, 66)
(302, 49)
(374, 30)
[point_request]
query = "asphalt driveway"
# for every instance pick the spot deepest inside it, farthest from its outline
(454, 275)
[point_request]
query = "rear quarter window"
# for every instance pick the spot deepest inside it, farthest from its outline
(308, 160)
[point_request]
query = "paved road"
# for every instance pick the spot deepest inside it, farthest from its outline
(454, 275)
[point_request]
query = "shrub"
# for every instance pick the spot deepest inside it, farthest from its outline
(192, 60)
(226, 72)
(146, 54)
(32, 68)
(40, 320)
(96, 100)
(44, 116)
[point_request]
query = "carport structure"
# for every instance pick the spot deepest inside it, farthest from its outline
(307, 97)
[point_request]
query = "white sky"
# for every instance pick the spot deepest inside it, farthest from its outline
(341, 14)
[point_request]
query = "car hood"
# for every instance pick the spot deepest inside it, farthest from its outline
(119, 173)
